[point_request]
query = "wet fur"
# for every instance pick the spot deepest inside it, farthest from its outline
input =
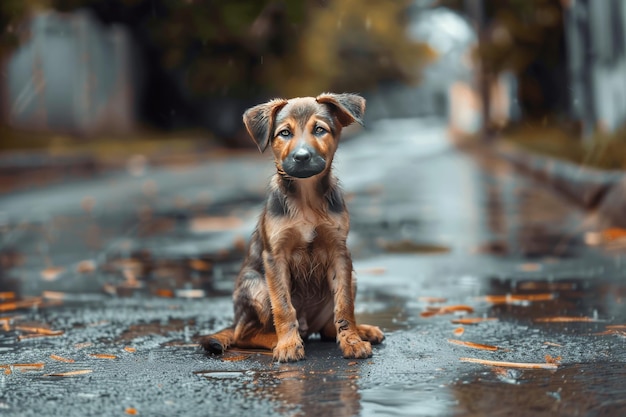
(297, 278)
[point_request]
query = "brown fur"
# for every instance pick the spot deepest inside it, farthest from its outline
(297, 278)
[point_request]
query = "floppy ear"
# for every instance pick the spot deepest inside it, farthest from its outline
(259, 121)
(349, 108)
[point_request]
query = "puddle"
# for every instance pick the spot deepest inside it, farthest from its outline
(229, 375)
(402, 400)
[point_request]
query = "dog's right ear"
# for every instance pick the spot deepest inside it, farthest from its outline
(259, 121)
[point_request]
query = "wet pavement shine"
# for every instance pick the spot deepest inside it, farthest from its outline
(497, 297)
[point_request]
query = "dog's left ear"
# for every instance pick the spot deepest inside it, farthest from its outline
(259, 121)
(349, 108)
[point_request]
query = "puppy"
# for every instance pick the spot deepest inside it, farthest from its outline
(297, 278)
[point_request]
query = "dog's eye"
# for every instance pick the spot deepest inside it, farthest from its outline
(284, 133)
(319, 130)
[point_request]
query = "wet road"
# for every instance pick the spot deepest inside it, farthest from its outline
(105, 283)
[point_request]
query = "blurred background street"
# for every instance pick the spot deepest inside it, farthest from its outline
(486, 194)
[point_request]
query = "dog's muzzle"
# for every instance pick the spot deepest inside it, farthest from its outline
(303, 162)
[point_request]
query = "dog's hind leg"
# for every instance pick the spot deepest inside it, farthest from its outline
(218, 342)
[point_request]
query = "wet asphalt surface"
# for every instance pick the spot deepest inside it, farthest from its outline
(115, 276)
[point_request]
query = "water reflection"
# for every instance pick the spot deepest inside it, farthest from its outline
(299, 389)
(582, 389)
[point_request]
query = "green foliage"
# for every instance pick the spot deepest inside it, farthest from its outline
(519, 32)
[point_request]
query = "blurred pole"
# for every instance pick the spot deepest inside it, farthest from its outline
(475, 9)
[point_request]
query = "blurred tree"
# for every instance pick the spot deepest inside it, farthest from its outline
(527, 38)
(351, 45)
(197, 50)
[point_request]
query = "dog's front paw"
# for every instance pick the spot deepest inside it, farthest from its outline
(372, 334)
(290, 349)
(353, 346)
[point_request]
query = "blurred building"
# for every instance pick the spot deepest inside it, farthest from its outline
(596, 41)
(448, 87)
(449, 36)
(71, 75)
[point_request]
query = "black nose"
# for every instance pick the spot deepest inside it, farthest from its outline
(301, 155)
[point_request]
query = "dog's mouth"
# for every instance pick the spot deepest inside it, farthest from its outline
(303, 163)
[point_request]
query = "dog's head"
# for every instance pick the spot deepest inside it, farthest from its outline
(303, 132)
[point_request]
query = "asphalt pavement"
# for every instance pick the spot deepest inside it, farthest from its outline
(497, 296)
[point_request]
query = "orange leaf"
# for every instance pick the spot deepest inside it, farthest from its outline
(102, 356)
(71, 373)
(472, 345)
(472, 320)
(62, 359)
(564, 319)
(614, 233)
(518, 298)
(432, 311)
(501, 364)
(39, 330)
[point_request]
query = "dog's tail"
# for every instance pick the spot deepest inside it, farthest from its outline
(218, 342)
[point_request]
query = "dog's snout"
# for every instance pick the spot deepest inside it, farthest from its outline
(303, 162)
(302, 155)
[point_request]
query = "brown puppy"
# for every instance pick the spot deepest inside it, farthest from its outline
(297, 277)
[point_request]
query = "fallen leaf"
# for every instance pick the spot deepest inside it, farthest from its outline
(200, 265)
(616, 326)
(86, 266)
(15, 305)
(518, 298)
(7, 295)
(459, 331)
(501, 364)
(130, 349)
(53, 295)
(236, 358)
(472, 320)
(39, 330)
(432, 311)
(530, 267)
(71, 373)
(472, 345)
(164, 292)
(207, 224)
(564, 319)
(552, 344)
(52, 273)
(62, 359)
(611, 332)
(190, 293)
(102, 356)
(38, 365)
(131, 411)
(36, 336)
(550, 359)
(614, 233)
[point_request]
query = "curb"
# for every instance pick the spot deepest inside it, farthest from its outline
(600, 191)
